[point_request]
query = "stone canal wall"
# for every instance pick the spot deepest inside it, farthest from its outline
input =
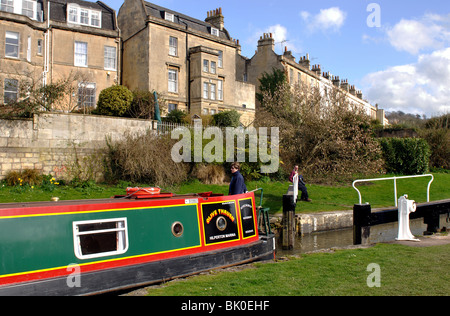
(319, 222)
(50, 142)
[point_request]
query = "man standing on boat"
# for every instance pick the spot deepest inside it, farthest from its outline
(301, 184)
(237, 184)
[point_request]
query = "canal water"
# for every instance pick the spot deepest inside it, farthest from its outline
(344, 238)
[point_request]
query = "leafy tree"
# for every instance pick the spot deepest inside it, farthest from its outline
(270, 83)
(324, 134)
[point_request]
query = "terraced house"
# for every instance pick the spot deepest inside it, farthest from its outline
(44, 41)
(192, 63)
(304, 74)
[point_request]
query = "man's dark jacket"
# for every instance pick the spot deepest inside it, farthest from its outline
(237, 184)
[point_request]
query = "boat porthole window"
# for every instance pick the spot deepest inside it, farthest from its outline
(221, 223)
(177, 229)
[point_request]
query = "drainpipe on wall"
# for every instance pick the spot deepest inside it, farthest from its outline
(188, 58)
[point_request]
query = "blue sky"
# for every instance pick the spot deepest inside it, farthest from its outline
(396, 51)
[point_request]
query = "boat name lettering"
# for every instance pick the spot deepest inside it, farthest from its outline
(222, 236)
(219, 212)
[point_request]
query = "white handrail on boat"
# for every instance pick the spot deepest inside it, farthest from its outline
(395, 185)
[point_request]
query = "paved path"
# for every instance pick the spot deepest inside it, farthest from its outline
(426, 241)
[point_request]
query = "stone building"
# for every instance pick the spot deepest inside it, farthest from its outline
(49, 40)
(302, 73)
(192, 63)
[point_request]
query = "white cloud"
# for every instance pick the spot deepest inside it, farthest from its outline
(331, 19)
(419, 88)
(432, 31)
(281, 37)
(279, 32)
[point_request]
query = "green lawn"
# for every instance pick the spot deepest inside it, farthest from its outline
(325, 198)
(405, 271)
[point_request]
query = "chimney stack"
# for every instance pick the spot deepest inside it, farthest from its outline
(216, 18)
(336, 81)
(266, 41)
(316, 69)
(344, 85)
(305, 62)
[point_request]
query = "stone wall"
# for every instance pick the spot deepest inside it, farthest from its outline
(49, 142)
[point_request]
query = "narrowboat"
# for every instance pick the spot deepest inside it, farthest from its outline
(65, 248)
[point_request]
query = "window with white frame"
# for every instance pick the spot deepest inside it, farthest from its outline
(220, 90)
(206, 65)
(29, 49)
(214, 31)
(110, 58)
(220, 61)
(100, 238)
(72, 14)
(95, 18)
(23, 7)
(173, 46)
(11, 90)
(81, 59)
(173, 80)
(205, 90)
(7, 6)
(169, 17)
(86, 95)
(12, 44)
(28, 8)
(213, 67)
(213, 91)
(83, 16)
(39, 46)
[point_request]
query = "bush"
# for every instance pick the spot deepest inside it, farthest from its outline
(145, 159)
(329, 138)
(408, 156)
(227, 119)
(114, 101)
(29, 177)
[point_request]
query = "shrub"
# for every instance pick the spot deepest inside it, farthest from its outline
(329, 138)
(227, 119)
(29, 177)
(114, 101)
(408, 156)
(210, 174)
(176, 116)
(144, 159)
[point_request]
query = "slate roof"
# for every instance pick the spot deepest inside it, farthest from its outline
(198, 25)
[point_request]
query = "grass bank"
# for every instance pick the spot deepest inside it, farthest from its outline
(405, 271)
(325, 198)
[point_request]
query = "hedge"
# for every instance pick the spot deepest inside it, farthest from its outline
(407, 156)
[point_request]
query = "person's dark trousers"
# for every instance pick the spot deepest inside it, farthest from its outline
(302, 188)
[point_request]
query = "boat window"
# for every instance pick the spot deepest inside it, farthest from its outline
(221, 223)
(101, 238)
(177, 229)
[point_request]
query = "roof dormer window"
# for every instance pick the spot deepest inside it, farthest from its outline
(22, 7)
(169, 17)
(83, 16)
(214, 31)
